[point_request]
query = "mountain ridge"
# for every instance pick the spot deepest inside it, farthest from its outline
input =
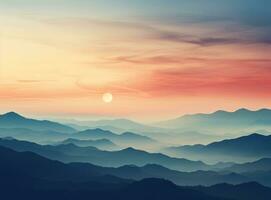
(15, 120)
(241, 120)
(245, 148)
(72, 153)
(78, 181)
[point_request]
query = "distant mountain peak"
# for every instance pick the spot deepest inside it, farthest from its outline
(12, 115)
(255, 135)
(222, 122)
(97, 130)
(8, 138)
(220, 112)
(243, 110)
(264, 110)
(130, 149)
(130, 134)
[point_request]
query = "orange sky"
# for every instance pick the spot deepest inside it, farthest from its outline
(61, 64)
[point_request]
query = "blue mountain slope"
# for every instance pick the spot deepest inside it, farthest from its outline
(246, 148)
(129, 156)
(222, 121)
(14, 120)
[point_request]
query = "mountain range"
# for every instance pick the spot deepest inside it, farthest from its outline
(14, 120)
(245, 191)
(120, 126)
(43, 131)
(72, 153)
(221, 122)
(263, 165)
(241, 149)
(103, 144)
(124, 138)
(207, 178)
(114, 125)
(131, 157)
(41, 159)
(35, 177)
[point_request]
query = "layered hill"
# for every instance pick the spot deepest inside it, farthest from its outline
(241, 149)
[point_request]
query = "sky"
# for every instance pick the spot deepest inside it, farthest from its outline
(159, 59)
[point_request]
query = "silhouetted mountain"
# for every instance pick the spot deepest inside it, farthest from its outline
(245, 191)
(33, 135)
(29, 176)
(34, 166)
(19, 127)
(106, 128)
(179, 178)
(162, 189)
(223, 165)
(14, 120)
(161, 134)
(116, 125)
(242, 149)
(100, 133)
(191, 137)
(132, 136)
(71, 153)
(259, 165)
(262, 177)
(125, 139)
(149, 171)
(222, 121)
(103, 144)
(129, 156)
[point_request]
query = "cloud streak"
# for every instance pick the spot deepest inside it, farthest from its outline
(207, 82)
(154, 31)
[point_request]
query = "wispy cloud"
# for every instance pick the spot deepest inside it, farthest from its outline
(210, 82)
(29, 81)
(155, 31)
(174, 59)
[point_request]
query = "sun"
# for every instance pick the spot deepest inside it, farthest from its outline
(107, 97)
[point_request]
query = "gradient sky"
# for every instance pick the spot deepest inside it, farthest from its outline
(159, 59)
